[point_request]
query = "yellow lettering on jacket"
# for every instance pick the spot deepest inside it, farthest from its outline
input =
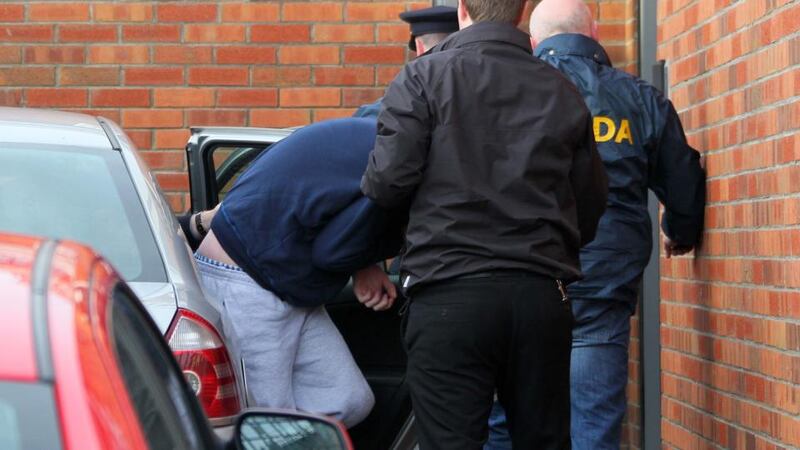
(624, 132)
(605, 129)
(611, 128)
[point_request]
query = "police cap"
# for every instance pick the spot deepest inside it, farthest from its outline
(438, 19)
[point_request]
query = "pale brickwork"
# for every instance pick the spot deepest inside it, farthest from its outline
(731, 315)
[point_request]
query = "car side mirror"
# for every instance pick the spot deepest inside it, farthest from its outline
(276, 429)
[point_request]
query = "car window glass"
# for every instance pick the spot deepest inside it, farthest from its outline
(28, 416)
(86, 196)
(230, 163)
(167, 410)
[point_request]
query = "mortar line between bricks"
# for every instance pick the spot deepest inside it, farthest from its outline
(782, 258)
(703, 360)
(757, 170)
(747, 114)
(772, 12)
(729, 92)
(737, 313)
(676, 305)
(708, 441)
(730, 424)
(684, 7)
(739, 398)
(757, 229)
(731, 62)
(743, 146)
(768, 287)
(742, 229)
(736, 340)
(789, 227)
(705, 256)
(755, 199)
(723, 365)
(731, 284)
(740, 145)
(752, 84)
(698, 25)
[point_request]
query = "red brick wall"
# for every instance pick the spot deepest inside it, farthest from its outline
(159, 67)
(618, 31)
(731, 314)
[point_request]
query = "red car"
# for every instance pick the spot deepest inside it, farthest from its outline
(84, 367)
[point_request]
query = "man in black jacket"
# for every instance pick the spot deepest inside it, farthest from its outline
(493, 153)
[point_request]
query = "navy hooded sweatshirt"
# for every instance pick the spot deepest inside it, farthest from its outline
(296, 220)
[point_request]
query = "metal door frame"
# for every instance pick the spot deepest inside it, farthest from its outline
(649, 316)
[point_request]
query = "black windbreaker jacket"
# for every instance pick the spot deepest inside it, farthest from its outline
(493, 152)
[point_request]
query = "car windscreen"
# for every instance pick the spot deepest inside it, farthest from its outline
(28, 416)
(82, 195)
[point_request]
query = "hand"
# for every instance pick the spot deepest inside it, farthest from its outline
(373, 288)
(673, 249)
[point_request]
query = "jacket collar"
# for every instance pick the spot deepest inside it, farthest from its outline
(575, 45)
(484, 32)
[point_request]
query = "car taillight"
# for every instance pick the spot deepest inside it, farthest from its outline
(205, 363)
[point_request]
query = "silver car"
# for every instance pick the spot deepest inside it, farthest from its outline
(79, 177)
(73, 176)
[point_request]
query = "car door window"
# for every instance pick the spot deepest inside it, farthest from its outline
(168, 412)
(230, 163)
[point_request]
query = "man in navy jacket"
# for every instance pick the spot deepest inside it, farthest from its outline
(642, 144)
(285, 240)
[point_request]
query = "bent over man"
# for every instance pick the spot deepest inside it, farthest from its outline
(285, 240)
(493, 153)
(641, 141)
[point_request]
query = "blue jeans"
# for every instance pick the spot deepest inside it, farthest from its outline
(598, 377)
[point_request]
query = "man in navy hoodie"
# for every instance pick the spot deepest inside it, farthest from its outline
(285, 240)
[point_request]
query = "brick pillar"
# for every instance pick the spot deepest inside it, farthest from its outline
(618, 31)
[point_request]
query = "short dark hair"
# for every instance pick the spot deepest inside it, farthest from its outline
(506, 11)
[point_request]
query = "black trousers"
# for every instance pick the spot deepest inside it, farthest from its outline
(467, 338)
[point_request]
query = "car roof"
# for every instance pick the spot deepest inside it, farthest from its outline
(48, 127)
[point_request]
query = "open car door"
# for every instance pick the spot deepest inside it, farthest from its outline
(216, 157)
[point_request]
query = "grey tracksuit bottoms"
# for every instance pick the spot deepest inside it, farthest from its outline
(294, 357)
